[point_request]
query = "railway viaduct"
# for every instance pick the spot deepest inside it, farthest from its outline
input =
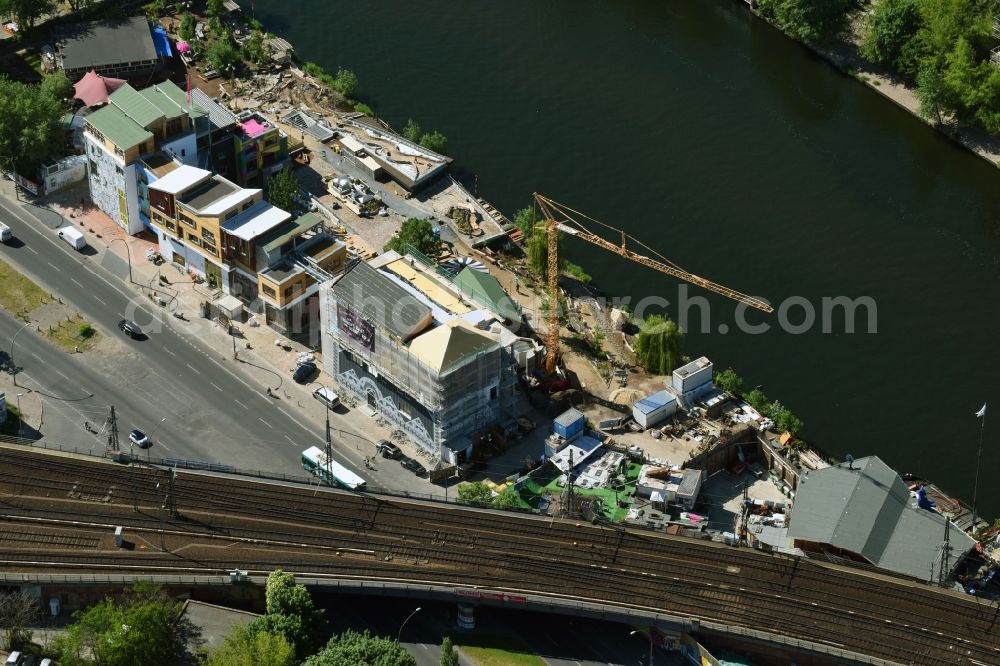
(59, 512)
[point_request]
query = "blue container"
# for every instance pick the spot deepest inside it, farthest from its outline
(569, 424)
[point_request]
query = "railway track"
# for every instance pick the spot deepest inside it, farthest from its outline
(351, 535)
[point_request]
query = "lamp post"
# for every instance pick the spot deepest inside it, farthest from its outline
(12, 363)
(636, 631)
(400, 632)
(128, 252)
(20, 418)
(329, 442)
(150, 435)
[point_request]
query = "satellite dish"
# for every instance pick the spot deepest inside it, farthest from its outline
(850, 461)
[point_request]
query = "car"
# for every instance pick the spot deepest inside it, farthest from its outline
(140, 439)
(388, 449)
(129, 328)
(303, 372)
(412, 465)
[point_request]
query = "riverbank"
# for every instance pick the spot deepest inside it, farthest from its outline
(845, 55)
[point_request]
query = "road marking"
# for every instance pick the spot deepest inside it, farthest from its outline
(100, 299)
(52, 265)
(265, 423)
(192, 368)
(241, 404)
(166, 349)
(31, 249)
(289, 439)
(216, 386)
(77, 283)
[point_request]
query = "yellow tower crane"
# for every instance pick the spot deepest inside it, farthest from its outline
(562, 218)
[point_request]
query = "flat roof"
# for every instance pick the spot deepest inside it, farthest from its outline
(693, 367)
(214, 190)
(180, 179)
(428, 286)
(256, 220)
(277, 237)
(101, 43)
(349, 142)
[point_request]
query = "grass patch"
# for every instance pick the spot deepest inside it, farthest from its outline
(19, 294)
(32, 58)
(74, 334)
(499, 651)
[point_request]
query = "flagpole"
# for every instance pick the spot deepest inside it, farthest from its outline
(979, 455)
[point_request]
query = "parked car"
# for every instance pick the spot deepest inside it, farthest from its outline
(304, 372)
(388, 449)
(129, 328)
(5, 233)
(413, 465)
(140, 439)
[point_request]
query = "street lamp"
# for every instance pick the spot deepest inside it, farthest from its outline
(400, 632)
(636, 631)
(150, 435)
(329, 442)
(12, 363)
(128, 251)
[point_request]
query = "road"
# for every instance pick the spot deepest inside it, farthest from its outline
(214, 413)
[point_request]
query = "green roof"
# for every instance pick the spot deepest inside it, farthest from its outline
(117, 127)
(277, 237)
(163, 104)
(178, 102)
(134, 105)
(486, 289)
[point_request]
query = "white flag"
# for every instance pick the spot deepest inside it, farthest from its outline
(982, 411)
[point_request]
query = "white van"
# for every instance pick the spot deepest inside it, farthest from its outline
(327, 397)
(14, 659)
(73, 236)
(5, 233)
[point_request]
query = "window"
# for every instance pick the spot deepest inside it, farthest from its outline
(170, 225)
(208, 236)
(268, 291)
(186, 219)
(120, 171)
(193, 239)
(293, 289)
(210, 249)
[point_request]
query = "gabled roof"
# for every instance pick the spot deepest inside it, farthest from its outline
(135, 105)
(218, 115)
(381, 301)
(168, 98)
(486, 289)
(102, 43)
(446, 346)
(865, 508)
(117, 127)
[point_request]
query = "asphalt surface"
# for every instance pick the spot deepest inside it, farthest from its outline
(213, 413)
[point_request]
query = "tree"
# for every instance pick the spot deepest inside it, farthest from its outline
(76, 5)
(18, 610)
(476, 493)
(256, 50)
(412, 130)
(507, 500)
(346, 82)
(524, 220)
(434, 141)
(245, 648)
(889, 27)
(57, 86)
(964, 77)
(729, 381)
(187, 27)
(353, 649)
(27, 12)
(30, 126)
(418, 233)
(815, 21)
(216, 8)
(658, 347)
(931, 93)
(223, 55)
(282, 189)
(291, 614)
(449, 656)
(757, 399)
(139, 628)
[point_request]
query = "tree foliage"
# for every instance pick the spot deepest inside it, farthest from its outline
(30, 125)
(412, 131)
(449, 656)
(291, 614)
(658, 349)
(361, 649)
(891, 24)
(419, 233)
(815, 21)
(223, 54)
(215, 8)
(256, 50)
(346, 82)
(931, 93)
(187, 27)
(282, 189)
(242, 647)
(138, 628)
(729, 381)
(57, 86)
(507, 500)
(475, 493)
(434, 141)
(27, 12)
(783, 418)
(525, 220)
(18, 611)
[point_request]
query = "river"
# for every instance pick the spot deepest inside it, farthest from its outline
(740, 156)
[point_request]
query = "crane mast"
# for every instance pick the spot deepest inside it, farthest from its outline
(561, 218)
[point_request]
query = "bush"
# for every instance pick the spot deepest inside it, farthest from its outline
(577, 272)
(434, 141)
(361, 107)
(312, 69)
(85, 330)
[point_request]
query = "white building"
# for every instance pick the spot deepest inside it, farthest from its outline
(654, 408)
(670, 485)
(691, 381)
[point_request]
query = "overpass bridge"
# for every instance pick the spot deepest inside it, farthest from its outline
(58, 514)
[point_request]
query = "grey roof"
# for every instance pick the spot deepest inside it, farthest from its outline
(868, 510)
(103, 43)
(569, 417)
(218, 115)
(380, 300)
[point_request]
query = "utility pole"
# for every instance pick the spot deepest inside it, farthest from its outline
(329, 443)
(945, 554)
(113, 430)
(569, 509)
(173, 498)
